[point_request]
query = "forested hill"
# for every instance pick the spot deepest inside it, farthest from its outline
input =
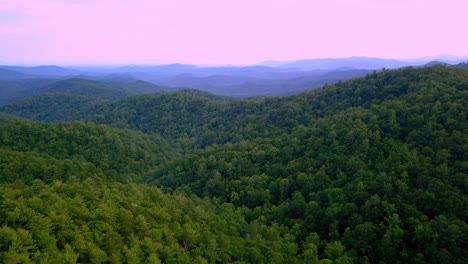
(372, 170)
(209, 119)
(463, 65)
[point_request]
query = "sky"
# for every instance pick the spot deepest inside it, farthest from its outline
(220, 32)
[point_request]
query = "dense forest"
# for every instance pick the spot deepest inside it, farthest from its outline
(371, 170)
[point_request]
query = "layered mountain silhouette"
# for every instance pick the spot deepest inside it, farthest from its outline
(271, 79)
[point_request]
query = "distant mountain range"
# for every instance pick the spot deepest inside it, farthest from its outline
(361, 63)
(449, 59)
(50, 70)
(272, 78)
(351, 63)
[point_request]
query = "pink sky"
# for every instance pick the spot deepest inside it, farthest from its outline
(71, 32)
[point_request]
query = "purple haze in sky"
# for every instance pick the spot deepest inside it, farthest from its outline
(226, 31)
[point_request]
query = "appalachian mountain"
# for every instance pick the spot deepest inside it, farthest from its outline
(41, 71)
(283, 79)
(370, 170)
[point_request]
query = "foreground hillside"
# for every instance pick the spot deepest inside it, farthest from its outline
(373, 170)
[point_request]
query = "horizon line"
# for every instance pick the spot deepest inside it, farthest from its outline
(449, 58)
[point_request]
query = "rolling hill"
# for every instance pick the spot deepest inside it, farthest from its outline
(84, 87)
(10, 75)
(106, 89)
(46, 71)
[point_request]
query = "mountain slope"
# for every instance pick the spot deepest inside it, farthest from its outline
(10, 75)
(368, 175)
(60, 202)
(106, 89)
(94, 221)
(55, 107)
(111, 150)
(137, 86)
(84, 87)
(16, 90)
(43, 71)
